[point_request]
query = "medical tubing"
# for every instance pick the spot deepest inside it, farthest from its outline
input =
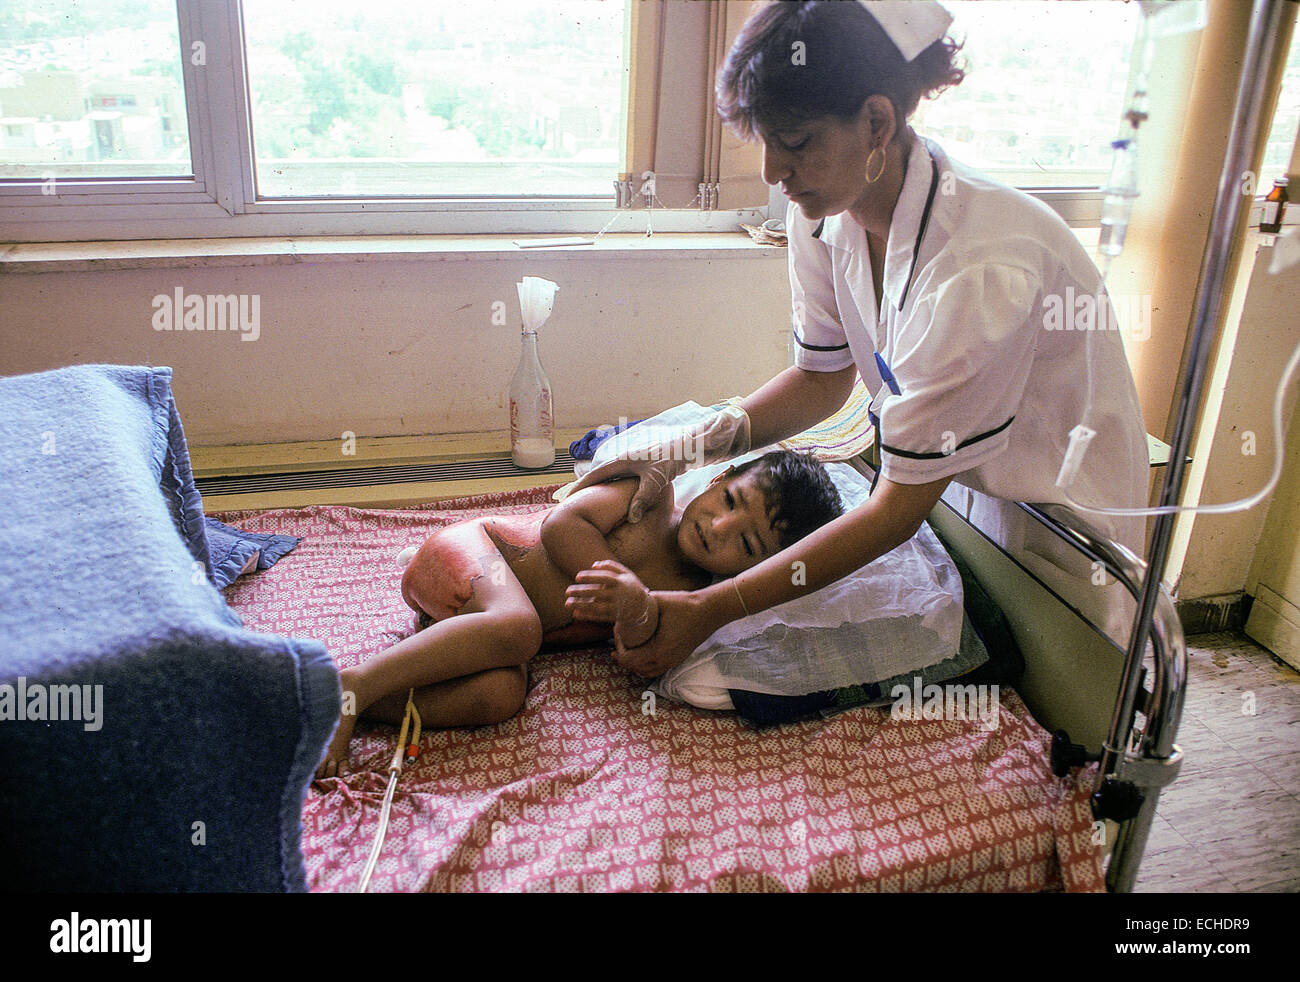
(379, 834)
(1262, 56)
(394, 768)
(1225, 508)
(1117, 207)
(1122, 190)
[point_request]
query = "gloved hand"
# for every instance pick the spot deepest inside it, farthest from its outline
(720, 437)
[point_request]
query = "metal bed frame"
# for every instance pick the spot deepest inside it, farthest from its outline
(1135, 762)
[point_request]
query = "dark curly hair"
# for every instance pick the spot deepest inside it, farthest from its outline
(846, 57)
(797, 490)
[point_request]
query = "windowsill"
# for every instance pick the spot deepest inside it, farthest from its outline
(67, 257)
(72, 257)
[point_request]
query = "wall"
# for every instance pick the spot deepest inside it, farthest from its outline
(1274, 579)
(1236, 457)
(408, 346)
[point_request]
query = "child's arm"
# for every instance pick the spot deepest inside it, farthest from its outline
(574, 536)
(610, 591)
(574, 531)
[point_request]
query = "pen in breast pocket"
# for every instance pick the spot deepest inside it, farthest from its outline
(886, 375)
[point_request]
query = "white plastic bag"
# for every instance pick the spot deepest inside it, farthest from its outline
(536, 300)
(900, 613)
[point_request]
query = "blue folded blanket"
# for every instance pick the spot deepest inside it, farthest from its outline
(147, 741)
(584, 448)
(231, 549)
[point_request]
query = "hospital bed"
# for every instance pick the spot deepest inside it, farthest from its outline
(582, 786)
(229, 720)
(592, 786)
(1078, 682)
(1101, 703)
(1072, 683)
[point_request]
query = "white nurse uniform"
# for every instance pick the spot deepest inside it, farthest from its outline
(976, 374)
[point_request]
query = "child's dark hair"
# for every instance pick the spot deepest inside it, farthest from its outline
(799, 493)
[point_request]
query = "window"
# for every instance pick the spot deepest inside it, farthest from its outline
(1282, 134)
(92, 89)
(1037, 109)
(203, 118)
(490, 98)
(199, 118)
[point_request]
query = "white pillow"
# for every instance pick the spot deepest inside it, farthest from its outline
(901, 613)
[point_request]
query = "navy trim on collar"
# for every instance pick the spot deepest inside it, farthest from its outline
(817, 232)
(920, 232)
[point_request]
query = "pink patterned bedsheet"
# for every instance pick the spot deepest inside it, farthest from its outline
(596, 786)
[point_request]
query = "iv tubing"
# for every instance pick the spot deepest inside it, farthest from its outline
(404, 751)
(1263, 55)
(1135, 114)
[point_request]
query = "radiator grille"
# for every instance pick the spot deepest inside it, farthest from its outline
(355, 477)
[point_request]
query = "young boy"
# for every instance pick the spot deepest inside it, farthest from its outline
(491, 590)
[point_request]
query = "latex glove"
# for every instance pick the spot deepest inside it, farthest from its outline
(722, 436)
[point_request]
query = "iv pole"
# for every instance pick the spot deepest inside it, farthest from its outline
(1262, 58)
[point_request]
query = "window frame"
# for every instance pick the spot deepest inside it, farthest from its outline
(219, 200)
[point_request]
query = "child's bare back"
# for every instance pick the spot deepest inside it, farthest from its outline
(438, 581)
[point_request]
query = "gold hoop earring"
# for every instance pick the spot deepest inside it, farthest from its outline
(867, 175)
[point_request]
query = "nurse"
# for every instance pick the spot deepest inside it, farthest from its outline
(946, 290)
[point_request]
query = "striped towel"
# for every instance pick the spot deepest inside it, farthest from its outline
(844, 435)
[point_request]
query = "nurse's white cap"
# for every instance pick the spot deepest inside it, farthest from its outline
(913, 25)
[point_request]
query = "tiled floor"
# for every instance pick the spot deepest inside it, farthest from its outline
(1231, 821)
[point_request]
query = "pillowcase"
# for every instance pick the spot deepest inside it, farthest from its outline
(760, 709)
(988, 655)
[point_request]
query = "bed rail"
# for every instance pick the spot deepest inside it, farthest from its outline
(1136, 761)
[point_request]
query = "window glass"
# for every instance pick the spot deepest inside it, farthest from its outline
(91, 88)
(436, 98)
(1044, 90)
(1282, 134)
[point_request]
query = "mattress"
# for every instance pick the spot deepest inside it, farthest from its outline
(597, 785)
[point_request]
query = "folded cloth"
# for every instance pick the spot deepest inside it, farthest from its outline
(842, 436)
(148, 742)
(988, 655)
(584, 448)
(763, 709)
(231, 550)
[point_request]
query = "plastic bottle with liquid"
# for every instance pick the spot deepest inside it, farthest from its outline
(1274, 207)
(532, 427)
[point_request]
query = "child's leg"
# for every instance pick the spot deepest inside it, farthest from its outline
(498, 628)
(489, 697)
